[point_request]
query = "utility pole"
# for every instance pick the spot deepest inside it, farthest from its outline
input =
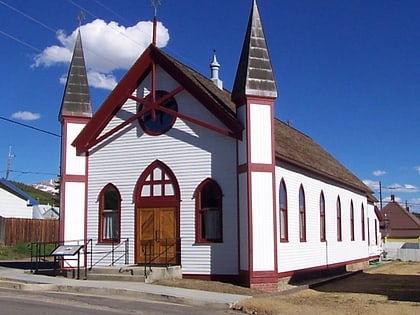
(9, 162)
(380, 194)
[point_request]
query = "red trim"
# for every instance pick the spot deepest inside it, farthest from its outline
(213, 277)
(85, 232)
(322, 267)
(101, 238)
(273, 170)
(64, 177)
(258, 167)
(154, 31)
(150, 57)
(156, 201)
(255, 167)
(199, 212)
(200, 94)
(285, 211)
(114, 102)
(74, 178)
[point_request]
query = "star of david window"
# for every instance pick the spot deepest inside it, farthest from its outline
(156, 121)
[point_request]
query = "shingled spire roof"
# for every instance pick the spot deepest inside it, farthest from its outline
(76, 99)
(254, 76)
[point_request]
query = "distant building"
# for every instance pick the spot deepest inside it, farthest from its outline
(204, 178)
(15, 203)
(401, 232)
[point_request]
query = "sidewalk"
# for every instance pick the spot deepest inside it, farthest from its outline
(20, 279)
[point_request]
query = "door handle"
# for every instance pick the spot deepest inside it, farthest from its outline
(157, 236)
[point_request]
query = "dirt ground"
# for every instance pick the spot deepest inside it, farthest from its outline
(391, 288)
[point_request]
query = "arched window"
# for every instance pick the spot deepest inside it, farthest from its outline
(351, 221)
(339, 233)
(362, 213)
(283, 212)
(322, 217)
(208, 212)
(302, 215)
(109, 214)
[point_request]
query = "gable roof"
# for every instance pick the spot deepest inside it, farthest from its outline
(216, 100)
(11, 188)
(298, 149)
(254, 76)
(399, 222)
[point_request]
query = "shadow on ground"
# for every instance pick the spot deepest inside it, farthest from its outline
(395, 287)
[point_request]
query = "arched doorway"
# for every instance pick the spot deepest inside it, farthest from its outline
(157, 216)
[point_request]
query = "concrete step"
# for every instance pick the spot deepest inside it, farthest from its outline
(134, 273)
(115, 277)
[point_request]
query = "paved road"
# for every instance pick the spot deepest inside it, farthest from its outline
(45, 303)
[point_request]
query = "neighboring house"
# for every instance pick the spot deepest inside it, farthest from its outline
(194, 175)
(401, 232)
(15, 203)
(49, 212)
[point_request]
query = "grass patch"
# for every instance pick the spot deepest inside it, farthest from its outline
(22, 251)
(19, 251)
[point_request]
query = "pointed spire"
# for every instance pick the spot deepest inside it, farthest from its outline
(254, 76)
(76, 99)
(214, 67)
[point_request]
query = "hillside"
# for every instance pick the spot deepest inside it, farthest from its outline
(42, 196)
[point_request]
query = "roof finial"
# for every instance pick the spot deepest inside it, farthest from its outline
(155, 4)
(81, 17)
(214, 67)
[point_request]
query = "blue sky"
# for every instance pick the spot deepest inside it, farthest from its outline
(347, 72)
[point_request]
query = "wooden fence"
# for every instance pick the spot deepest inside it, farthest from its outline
(17, 230)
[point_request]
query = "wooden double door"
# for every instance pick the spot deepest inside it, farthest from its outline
(156, 239)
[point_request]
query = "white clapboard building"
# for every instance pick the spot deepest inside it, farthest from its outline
(205, 178)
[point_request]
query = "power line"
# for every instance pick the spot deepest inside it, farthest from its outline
(31, 127)
(28, 16)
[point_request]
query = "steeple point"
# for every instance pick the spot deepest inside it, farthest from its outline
(254, 76)
(76, 99)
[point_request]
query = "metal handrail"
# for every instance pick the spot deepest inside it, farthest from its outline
(150, 256)
(114, 249)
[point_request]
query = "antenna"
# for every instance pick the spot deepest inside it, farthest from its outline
(9, 162)
(155, 4)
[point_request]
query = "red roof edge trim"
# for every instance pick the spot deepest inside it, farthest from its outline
(113, 103)
(231, 123)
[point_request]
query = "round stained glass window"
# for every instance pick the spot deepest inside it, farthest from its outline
(162, 121)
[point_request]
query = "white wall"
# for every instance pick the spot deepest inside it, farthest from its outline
(294, 254)
(12, 206)
(193, 153)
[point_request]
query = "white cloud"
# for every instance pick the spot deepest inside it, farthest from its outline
(417, 168)
(107, 47)
(101, 80)
(406, 188)
(26, 115)
(372, 184)
(378, 173)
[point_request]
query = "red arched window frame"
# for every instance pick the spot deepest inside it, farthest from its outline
(339, 229)
(302, 215)
(157, 187)
(322, 217)
(208, 215)
(109, 214)
(351, 221)
(362, 213)
(284, 229)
